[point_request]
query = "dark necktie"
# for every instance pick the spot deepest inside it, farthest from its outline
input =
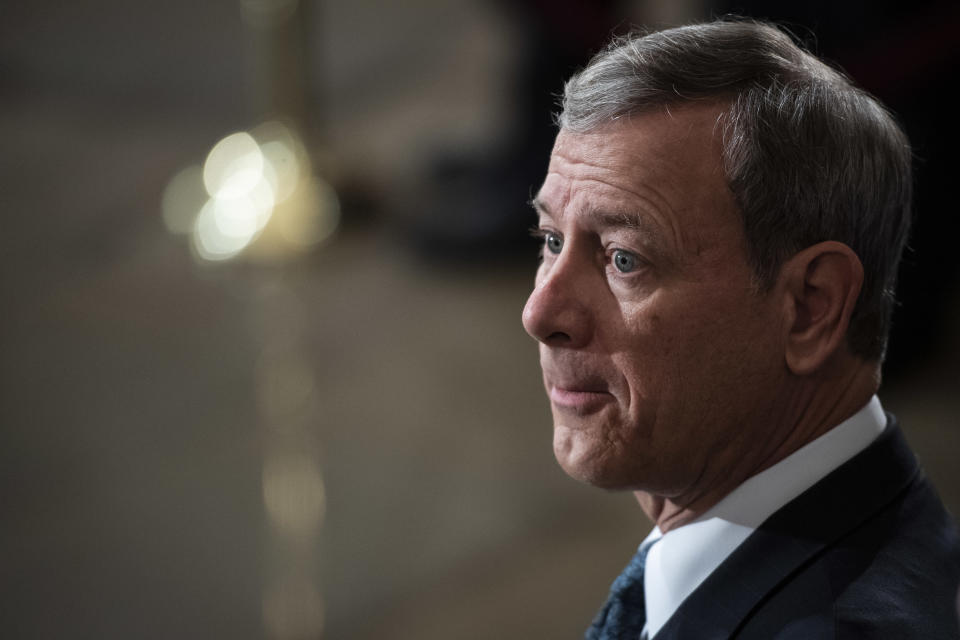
(624, 614)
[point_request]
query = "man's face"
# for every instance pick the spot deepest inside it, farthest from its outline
(660, 360)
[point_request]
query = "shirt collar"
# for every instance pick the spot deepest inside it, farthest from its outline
(683, 558)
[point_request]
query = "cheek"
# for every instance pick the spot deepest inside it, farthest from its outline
(676, 362)
(649, 346)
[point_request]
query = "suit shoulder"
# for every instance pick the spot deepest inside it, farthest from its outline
(896, 575)
(900, 571)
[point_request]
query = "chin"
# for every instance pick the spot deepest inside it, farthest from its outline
(589, 461)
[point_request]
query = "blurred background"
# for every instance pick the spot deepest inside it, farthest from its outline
(262, 373)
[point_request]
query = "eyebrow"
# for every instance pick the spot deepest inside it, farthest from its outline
(633, 221)
(539, 208)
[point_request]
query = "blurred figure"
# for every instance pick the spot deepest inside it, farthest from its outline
(722, 222)
(479, 206)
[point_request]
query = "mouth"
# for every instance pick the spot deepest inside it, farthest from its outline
(579, 398)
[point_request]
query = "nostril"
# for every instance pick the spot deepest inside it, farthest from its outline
(557, 338)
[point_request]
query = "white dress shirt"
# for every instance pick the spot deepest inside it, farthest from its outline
(683, 558)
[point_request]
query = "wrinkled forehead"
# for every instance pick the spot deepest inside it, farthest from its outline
(659, 171)
(661, 149)
(668, 129)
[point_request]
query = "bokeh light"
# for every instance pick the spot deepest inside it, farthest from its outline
(282, 152)
(293, 492)
(233, 167)
(226, 226)
(256, 190)
(305, 231)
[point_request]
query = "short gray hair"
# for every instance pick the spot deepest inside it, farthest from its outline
(808, 156)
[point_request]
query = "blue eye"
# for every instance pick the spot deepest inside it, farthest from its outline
(624, 261)
(553, 242)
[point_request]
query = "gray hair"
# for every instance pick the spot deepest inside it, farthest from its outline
(808, 156)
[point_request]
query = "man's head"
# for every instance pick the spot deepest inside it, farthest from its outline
(723, 217)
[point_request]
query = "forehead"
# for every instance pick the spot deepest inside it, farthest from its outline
(661, 170)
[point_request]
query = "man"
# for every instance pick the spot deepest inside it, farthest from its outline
(722, 220)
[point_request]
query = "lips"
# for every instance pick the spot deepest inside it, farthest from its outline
(580, 395)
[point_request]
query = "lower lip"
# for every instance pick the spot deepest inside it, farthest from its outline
(578, 400)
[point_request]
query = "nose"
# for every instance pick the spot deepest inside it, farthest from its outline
(558, 311)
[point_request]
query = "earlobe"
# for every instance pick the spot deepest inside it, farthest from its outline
(822, 284)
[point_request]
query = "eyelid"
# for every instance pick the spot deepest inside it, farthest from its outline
(542, 232)
(537, 232)
(612, 247)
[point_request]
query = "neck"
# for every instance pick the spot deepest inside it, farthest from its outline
(809, 410)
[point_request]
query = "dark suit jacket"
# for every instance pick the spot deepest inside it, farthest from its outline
(867, 552)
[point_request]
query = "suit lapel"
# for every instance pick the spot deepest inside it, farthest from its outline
(793, 536)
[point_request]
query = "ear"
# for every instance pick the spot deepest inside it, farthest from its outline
(821, 286)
